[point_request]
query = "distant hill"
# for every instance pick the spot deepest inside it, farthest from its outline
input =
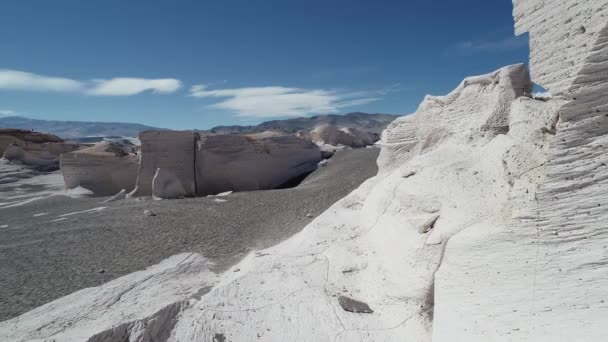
(75, 129)
(374, 123)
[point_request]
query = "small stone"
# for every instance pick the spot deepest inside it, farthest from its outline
(149, 213)
(355, 306)
(309, 215)
(237, 270)
(101, 271)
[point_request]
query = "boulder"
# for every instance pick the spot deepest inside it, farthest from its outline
(171, 151)
(105, 169)
(251, 162)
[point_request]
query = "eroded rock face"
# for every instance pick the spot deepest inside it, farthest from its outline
(173, 153)
(105, 169)
(563, 35)
(251, 162)
(543, 278)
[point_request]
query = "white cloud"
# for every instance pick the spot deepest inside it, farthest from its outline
(119, 86)
(280, 101)
(501, 45)
(132, 86)
(20, 80)
(8, 112)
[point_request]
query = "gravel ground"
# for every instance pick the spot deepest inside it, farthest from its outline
(44, 257)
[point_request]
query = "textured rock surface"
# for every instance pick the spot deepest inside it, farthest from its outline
(563, 34)
(139, 307)
(105, 169)
(251, 162)
(543, 278)
(334, 135)
(171, 151)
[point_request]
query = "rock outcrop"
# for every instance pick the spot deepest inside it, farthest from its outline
(251, 162)
(105, 169)
(543, 278)
(336, 136)
(34, 149)
(173, 153)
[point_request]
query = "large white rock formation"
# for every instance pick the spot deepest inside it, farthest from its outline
(251, 162)
(543, 278)
(173, 153)
(105, 169)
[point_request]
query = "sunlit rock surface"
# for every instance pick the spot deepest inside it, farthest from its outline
(543, 278)
(252, 162)
(171, 151)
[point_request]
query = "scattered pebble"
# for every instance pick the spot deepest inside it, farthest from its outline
(101, 271)
(352, 305)
(237, 269)
(149, 213)
(309, 215)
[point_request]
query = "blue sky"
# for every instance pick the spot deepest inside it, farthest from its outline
(197, 64)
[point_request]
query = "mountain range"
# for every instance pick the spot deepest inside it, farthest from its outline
(374, 123)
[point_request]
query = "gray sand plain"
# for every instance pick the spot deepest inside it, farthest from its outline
(44, 257)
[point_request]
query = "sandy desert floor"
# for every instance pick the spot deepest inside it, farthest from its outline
(54, 246)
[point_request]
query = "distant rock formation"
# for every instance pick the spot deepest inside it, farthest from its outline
(33, 149)
(251, 162)
(76, 129)
(373, 123)
(336, 136)
(105, 169)
(182, 164)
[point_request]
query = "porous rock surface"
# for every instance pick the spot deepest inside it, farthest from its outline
(563, 35)
(105, 169)
(543, 278)
(251, 162)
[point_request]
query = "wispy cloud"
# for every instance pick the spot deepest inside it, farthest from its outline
(8, 112)
(132, 86)
(21, 80)
(488, 46)
(281, 101)
(120, 86)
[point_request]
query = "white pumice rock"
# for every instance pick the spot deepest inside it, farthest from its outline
(543, 277)
(104, 168)
(173, 153)
(251, 162)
